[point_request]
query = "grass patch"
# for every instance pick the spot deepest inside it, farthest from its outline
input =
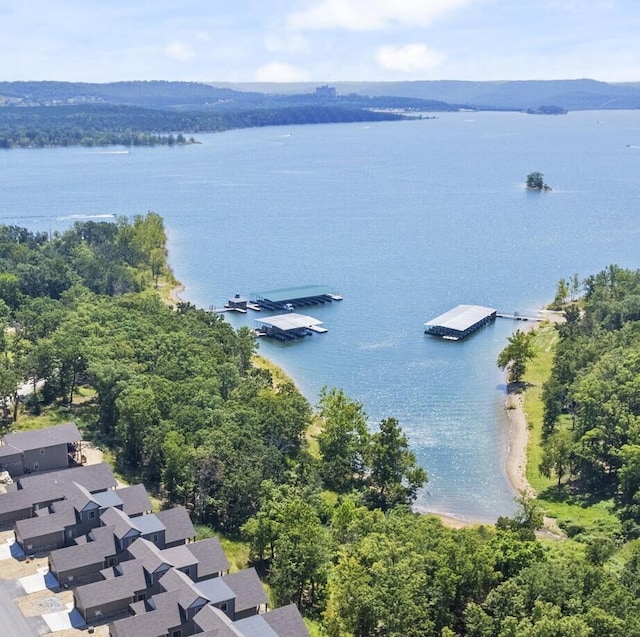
(312, 436)
(314, 627)
(237, 552)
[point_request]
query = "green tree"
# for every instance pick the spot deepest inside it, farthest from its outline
(343, 440)
(516, 355)
(535, 181)
(557, 455)
(177, 467)
(395, 476)
(562, 294)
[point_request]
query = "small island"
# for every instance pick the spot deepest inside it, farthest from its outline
(535, 181)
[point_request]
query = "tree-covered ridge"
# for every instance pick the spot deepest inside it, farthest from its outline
(592, 399)
(94, 125)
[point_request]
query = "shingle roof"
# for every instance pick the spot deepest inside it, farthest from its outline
(47, 437)
(213, 621)
(247, 587)
(255, 626)
(93, 477)
(85, 553)
(188, 594)
(113, 589)
(148, 524)
(286, 621)
(123, 526)
(135, 499)
(178, 524)
(210, 556)
(148, 553)
(165, 613)
(45, 524)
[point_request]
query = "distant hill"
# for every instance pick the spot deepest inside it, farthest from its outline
(507, 95)
(192, 96)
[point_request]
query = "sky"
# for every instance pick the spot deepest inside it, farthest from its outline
(319, 40)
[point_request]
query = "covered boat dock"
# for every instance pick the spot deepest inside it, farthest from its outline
(460, 321)
(286, 327)
(293, 298)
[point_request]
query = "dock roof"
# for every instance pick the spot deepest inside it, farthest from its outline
(461, 317)
(290, 321)
(283, 295)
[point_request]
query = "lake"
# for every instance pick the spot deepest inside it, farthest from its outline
(405, 220)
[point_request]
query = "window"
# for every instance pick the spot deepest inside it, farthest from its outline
(176, 633)
(92, 515)
(154, 538)
(36, 466)
(223, 607)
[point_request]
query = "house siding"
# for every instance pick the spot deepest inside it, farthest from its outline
(54, 457)
(81, 575)
(99, 612)
(47, 542)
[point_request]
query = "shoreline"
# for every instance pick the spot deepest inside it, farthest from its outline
(515, 464)
(518, 434)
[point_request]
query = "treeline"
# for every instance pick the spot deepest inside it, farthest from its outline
(592, 399)
(92, 125)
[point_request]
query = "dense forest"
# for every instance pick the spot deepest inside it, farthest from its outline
(320, 494)
(100, 125)
(592, 398)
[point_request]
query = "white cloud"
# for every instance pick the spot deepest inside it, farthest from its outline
(369, 15)
(410, 58)
(278, 72)
(178, 51)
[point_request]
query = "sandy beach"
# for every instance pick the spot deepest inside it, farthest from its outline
(518, 436)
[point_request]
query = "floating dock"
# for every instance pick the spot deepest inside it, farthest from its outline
(518, 317)
(291, 299)
(287, 327)
(460, 321)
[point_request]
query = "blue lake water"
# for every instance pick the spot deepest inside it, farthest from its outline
(405, 220)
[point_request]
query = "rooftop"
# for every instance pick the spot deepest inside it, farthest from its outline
(461, 317)
(47, 437)
(291, 321)
(293, 294)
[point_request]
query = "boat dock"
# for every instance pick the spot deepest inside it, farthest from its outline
(290, 299)
(460, 321)
(287, 327)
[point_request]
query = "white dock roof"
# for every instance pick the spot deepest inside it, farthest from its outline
(461, 317)
(290, 321)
